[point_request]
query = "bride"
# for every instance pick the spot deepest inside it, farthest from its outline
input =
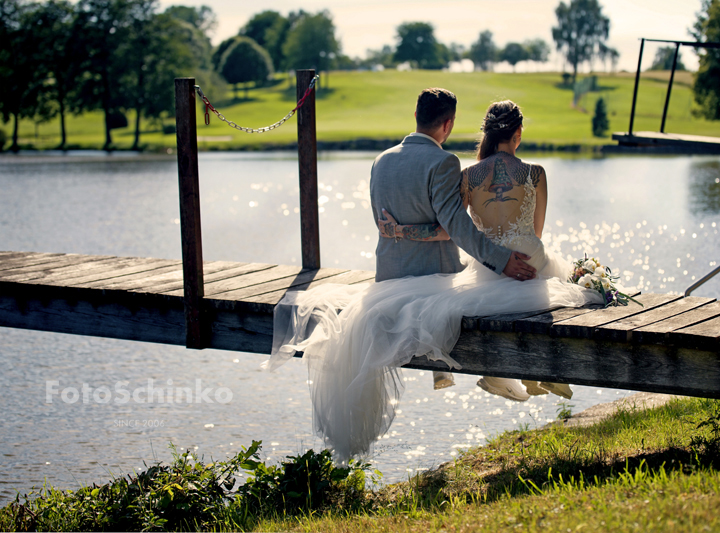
(355, 338)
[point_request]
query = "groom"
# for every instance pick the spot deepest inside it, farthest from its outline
(419, 183)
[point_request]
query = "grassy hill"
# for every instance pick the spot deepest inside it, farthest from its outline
(380, 105)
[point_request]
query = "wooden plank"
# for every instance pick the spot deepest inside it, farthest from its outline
(126, 315)
(584, 326)
(237, 269)
(585, 362)
(702, 336)
(249, 294)
(272, 298)
(107, 276)
(255, 278)
(659, 332)
(93, 270)
(173, 265)
(506, 322)
(34, 265)
(19, 259)
(541, 324)
(622, 330)
(151, 278)
(37, 273)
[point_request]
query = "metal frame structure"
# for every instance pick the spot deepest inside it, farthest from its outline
(678, 44)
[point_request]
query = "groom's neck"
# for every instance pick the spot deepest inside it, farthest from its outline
(437, 134)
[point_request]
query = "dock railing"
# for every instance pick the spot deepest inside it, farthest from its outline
(189, 185)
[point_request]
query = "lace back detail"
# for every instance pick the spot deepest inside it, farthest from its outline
(523, 225)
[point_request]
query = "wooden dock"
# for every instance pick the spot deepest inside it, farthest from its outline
(671, 345)
(668, 142)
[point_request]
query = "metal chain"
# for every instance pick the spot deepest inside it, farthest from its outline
(209, 107)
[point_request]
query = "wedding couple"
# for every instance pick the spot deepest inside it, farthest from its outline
(356, 337)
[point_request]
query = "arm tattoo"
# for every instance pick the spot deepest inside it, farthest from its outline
(421, 232)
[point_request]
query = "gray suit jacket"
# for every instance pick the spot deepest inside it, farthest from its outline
(419, 183)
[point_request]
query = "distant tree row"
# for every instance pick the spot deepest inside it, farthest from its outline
(271, 42)
(61, 57)
(484, 53)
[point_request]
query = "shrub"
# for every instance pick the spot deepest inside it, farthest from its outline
(3, 139)
(600, 122)
(190, 495)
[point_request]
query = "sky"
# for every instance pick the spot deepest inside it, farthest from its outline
(370, 24)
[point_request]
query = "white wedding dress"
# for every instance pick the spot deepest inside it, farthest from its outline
(356, 337)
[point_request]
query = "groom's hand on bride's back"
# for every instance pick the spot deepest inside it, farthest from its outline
(517, 267)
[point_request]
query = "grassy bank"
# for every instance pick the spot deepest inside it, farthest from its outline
(380, 105)
(635, 471)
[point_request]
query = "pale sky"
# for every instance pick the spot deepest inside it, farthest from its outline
(363, 24)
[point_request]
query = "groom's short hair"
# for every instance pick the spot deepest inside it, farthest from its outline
(434, 106)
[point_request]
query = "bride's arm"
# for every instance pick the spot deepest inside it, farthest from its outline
(414, 232)
(540, 182)
(464, 189)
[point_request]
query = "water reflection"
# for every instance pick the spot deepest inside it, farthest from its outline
(704, 184)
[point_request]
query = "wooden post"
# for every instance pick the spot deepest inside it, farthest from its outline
(307, 160)
(189, 210)
(635, 91)
(670, 82)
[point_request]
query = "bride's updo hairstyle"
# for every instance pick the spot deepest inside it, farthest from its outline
(502, 119)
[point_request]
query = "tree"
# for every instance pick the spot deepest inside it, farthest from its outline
(52, 27)
(257, 27)
(664, 59)
(537, 50)
(21, 69)
(417, 44)
(600, 123)
(157, 51)
(202, 18)
(606, 53)
(100, 32)
(311, 43)
(245, 61)
(483, 52)
(384, 57)
(581, 28)
(707, 80)
(514, 53)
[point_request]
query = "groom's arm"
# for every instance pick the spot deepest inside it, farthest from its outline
(447, 204)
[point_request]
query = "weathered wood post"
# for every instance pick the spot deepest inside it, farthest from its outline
(307, 160)
(187, 154)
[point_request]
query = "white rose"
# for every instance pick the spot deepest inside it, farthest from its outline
(586, 281)
(600, 272)
(589, 265)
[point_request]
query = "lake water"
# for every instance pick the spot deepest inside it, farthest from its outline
(652, 219)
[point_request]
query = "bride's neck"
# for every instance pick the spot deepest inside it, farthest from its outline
(506, 148)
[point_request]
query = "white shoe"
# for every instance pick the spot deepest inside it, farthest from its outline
(507, 388)
(442, 380)
(533, 389)
(561, 389)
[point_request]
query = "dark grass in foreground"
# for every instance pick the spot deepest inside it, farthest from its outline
(638, 470)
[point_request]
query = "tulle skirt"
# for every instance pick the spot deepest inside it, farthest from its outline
(355, 337)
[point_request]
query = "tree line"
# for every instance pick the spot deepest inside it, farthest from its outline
(59, 57)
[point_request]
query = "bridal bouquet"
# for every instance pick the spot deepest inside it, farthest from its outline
(589, 273)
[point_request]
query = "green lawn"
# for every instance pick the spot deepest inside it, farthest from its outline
(380, 105)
